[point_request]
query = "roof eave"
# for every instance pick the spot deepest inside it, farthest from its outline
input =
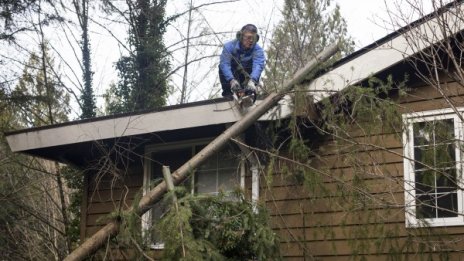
(184, 117)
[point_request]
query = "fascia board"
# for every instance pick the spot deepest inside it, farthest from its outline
(181, 118)
(389, 53)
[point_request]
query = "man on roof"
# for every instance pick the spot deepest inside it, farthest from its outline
(241, 62)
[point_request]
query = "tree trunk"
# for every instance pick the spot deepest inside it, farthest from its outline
(63, 205)
(93, 243)
(183, 94)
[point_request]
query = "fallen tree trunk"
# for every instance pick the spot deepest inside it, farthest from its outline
(93, 243)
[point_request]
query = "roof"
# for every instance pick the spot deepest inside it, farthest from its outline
(356, 67)
(197, 114)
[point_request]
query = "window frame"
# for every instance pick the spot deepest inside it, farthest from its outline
(147, 170)
(409, 173)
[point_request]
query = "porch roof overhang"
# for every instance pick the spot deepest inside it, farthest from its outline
(177, 117)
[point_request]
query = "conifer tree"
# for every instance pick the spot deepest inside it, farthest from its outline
(87, 96)
(143, 73)
(307, 27)
(34, 217)
(40, 98)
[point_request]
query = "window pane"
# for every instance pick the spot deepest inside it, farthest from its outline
(157, 213)
(425, 206)
(447, 205)
(172, 158)
(440, 131)
(425, 182)
(422, 134)
(444, 131)
(206, 181)
(445, 155)
(424, 158)
(209, 164)
(229, 158)
(435, 169)
(228, 180)
(446, 180)
(218, 173)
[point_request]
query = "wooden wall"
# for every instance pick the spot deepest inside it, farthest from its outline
(105, 195)
(355, 211)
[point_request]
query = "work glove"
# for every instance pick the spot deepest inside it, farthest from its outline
(251, 86)
(234, 85)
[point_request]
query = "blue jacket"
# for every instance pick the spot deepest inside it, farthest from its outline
(233, 52)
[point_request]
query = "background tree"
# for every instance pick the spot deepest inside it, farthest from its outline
(143, 73)
(9, 12)
(183, 92)
(306, 28)
(88, 105)
(33, 195)
(40, 100)
(35, 219)
(200, 46)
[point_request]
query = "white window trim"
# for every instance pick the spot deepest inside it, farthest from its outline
(149, 149)
(409, 177)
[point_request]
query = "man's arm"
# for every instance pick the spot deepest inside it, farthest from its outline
(225, 62)
(258, 63)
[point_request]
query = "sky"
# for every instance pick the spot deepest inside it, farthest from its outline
(365, 20)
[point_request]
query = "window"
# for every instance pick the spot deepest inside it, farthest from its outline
(220, 173)
(432, 168)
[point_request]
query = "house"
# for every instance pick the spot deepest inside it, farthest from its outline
(381, 181)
